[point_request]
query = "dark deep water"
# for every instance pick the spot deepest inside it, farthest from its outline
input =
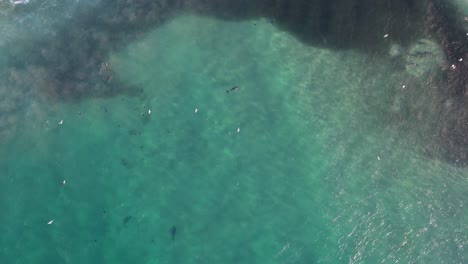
(344, 141)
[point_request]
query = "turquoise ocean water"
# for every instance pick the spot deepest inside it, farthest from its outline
(307, 161)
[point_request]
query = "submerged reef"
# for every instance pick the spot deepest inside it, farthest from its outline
(447, 29)
(72, 56)
(69, 61)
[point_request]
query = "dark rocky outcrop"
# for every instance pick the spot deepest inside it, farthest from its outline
(72, 58)
(444, 26)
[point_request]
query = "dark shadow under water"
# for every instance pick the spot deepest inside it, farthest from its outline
(70, 62)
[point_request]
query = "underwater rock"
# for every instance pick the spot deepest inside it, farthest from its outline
(424, 57)
(444, 25)
(70, 61)
(395, 50)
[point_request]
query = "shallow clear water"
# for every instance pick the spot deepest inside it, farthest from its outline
(307, 161)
